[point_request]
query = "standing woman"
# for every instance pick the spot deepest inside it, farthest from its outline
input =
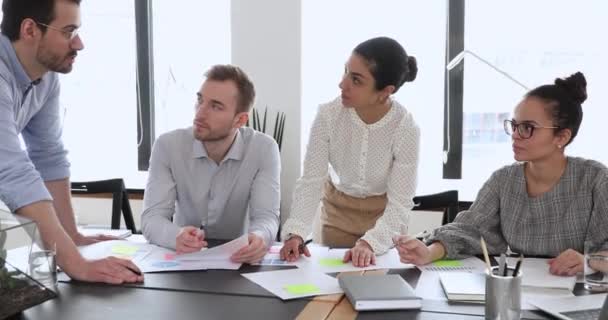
(368, 143)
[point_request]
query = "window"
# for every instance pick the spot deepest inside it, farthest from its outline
(331, 29)
(189, 38)
(98, 96)
(549, 39)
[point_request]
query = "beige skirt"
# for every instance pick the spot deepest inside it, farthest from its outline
(345, 219)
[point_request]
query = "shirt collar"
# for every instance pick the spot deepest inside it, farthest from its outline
(236, 150)
(23, 80)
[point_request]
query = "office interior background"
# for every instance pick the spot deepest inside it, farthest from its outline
(295, 51)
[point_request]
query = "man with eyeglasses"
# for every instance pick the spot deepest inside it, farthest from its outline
(40, 39)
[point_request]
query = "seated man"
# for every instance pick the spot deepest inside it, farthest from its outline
(216, 179)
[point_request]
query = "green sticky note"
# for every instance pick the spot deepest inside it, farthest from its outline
(331, 262)
(124, 250)
(304, 288)
(448, 263)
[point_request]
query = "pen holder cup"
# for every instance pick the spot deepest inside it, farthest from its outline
(503, 295)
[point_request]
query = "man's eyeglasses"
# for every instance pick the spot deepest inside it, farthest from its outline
(524, 129)
(69, 34)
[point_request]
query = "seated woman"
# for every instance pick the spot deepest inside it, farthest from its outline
(369, 143)
(546, 204)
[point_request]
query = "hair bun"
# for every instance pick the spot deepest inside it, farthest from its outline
(412, 67)
(575, 86)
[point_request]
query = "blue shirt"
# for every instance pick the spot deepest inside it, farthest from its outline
(241, 194)
(29, 108)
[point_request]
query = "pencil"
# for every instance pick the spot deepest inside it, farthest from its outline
(485, 255)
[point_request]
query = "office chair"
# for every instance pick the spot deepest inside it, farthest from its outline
(120, 199)
(444, 201)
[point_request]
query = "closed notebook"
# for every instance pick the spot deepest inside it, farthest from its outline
(464, 286)
(379, 292)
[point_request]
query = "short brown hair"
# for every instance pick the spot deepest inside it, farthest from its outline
(246, 90)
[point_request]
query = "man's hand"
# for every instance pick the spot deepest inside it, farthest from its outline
(568, 263)
(82, 240)
(110, 270)
(189, 239)
(361, 254)
(291, 249)
(253, 252)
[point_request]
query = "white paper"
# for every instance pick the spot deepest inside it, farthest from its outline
(555, 305)
(529, 294)
(328, 260)
(152, 258)
(278, 282)
(429, 286)
(119, 233)
(223, 252)
(535, 272)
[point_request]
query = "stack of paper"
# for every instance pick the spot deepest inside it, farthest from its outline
(119, 233)
(327, 260)
(536, 274)
(152, 258)
(295, 283)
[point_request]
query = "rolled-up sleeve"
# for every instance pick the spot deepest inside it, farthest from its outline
(159, 198)
(264, 203)
(20, 183)
(42, 136)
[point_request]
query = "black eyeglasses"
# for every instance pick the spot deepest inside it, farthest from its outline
(69, 34)
(524, 129)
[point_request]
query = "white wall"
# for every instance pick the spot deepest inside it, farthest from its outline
(267, 46)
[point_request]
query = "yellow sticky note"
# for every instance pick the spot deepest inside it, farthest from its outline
(448, 263)
(331, 262)
(124, 249)
(304, 288)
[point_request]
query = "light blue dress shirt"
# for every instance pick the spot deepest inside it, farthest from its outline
(29, 108)
(241, 194)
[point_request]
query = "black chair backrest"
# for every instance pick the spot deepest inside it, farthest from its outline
(446, 201)
(120, 199)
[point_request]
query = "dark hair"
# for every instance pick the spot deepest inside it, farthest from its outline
(15, 11)
(246, 90)
(564, 99)
(388, 62)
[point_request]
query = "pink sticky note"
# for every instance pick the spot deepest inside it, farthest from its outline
(274, 249)
(169, 256)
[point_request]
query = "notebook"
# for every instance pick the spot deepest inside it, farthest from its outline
(464, 286)
(594, 306)
(379, 292)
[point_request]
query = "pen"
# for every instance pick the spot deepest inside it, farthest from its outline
(134, 271)
(301, 246)
(502, 265)
(518, 265)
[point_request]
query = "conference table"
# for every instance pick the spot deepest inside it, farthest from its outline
(225, 294)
